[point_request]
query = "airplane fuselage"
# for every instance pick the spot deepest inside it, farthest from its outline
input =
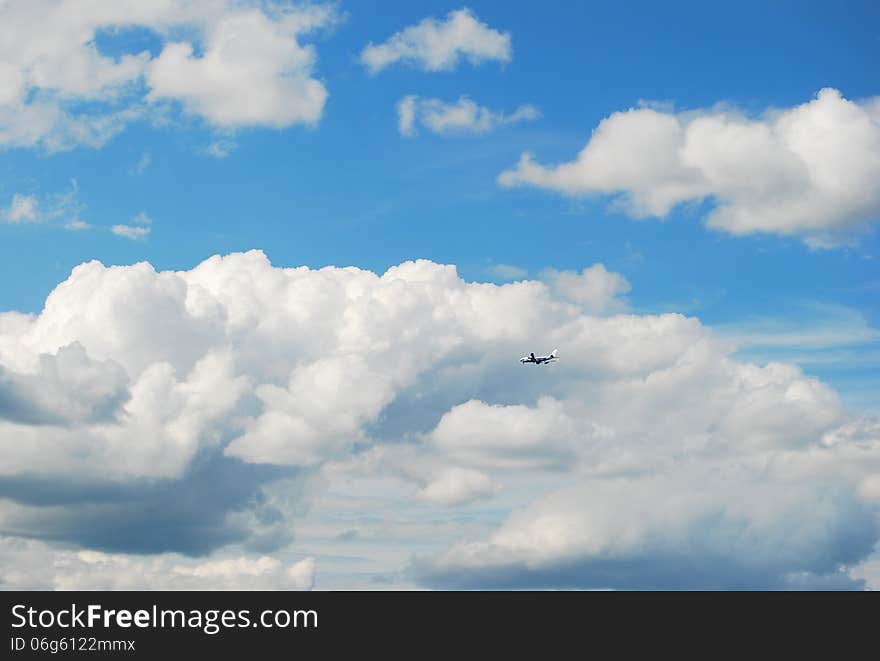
(538, 360)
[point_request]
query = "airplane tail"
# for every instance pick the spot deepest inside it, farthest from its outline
(554, 353)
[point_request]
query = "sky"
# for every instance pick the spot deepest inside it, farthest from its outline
(266, 269)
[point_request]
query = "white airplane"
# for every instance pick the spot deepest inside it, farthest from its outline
(540, 360)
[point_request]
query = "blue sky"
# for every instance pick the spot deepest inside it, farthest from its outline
(352, 191)
(349, 189)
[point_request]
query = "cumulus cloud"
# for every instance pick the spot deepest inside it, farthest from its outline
(477, 434)
(462, 116)
(435, 45)
(253, 72)
(186, 411)
(596, 288)
(67, 387)
(805, 171)
(669, 533)
(216, 502)
(232, 64)
(456, 486)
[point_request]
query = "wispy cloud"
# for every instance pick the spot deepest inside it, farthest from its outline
(221, 148)
(22, 209)
(461, 116)
(833, 341)
(811, 326)
(62, 208)
(507, 271)
(143, 163)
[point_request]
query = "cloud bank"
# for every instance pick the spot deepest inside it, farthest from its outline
(39, 566)
(187, 411)
(805, 171)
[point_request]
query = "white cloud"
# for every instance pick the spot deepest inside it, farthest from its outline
(806, 170)
(132, 232)
(673, 532)
(138, 229)
(435, 45)
(253, 72)
(37, 566)
(462, 116)
(647, 456)
(477, 434)
(47, 125)
(67, 387)
(301, 423)
(457, 486)
(325, 352)
(596, 288)
(59, 91)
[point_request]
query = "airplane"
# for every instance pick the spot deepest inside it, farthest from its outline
(540, 360)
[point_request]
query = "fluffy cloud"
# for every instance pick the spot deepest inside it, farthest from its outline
(671, 533)
(58, 90)
(806, 170)
(701, 473)
(68, 387)
(439, 45)
(456, 486)
(253, 72)
(463, 116)
(186, 411)
(596, 288)
(477, 434)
